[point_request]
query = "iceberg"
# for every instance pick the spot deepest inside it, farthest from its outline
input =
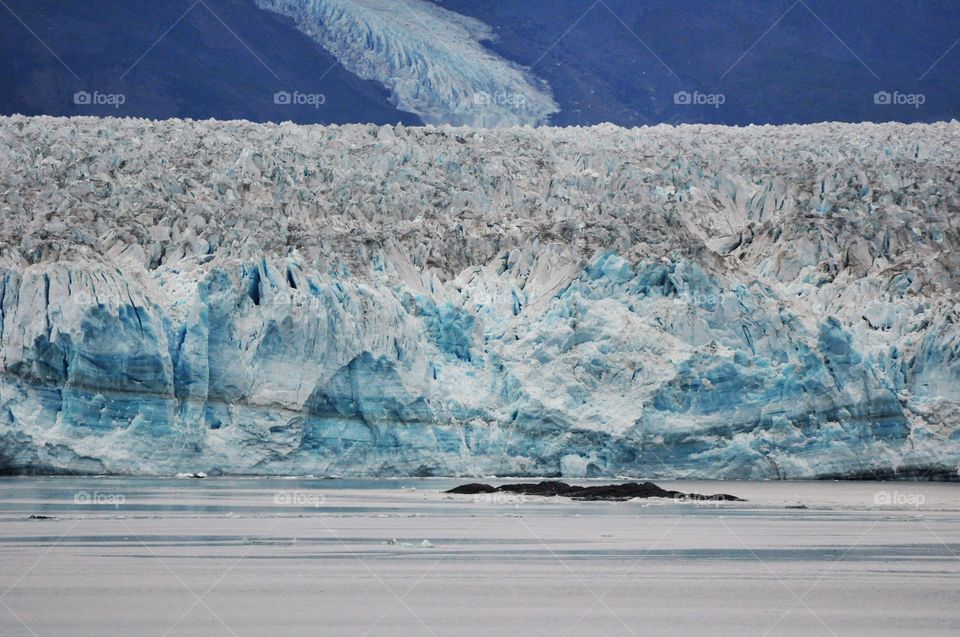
(666, 302)
(432, 60)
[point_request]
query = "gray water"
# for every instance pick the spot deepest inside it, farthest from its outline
(116, 556)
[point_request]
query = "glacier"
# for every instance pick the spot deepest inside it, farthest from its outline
(674, 302)
(432, 60)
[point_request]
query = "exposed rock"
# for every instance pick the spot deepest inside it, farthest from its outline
(625, 491)
(472, 489)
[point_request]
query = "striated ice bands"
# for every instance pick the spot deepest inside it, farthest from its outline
(431, 59)
(660, 302)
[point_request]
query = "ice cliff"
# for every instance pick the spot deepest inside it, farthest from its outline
(431, 59)
(693, 301)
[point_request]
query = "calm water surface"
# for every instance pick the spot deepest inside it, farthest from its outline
(105, 556)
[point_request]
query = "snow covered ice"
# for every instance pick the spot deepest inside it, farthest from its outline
(661, 302)
(432, 60)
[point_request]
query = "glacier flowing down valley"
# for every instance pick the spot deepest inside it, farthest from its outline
(765, 302)
(432, 60)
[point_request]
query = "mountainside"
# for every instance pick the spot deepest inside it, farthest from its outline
(770, 62)
(361, 300)
(485, 62)
(222, 59)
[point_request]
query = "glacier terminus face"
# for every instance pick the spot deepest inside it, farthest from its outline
(764, 302)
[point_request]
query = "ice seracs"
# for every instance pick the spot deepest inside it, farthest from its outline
(359, 300)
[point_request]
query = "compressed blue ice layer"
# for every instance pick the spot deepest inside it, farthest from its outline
(450, 327)
(650, 368)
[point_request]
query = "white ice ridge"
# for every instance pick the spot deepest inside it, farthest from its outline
(687, 302)
(432, 60)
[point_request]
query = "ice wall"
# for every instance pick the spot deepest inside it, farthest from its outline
(693, 301)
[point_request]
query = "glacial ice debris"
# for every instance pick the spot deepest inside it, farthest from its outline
(360, 300)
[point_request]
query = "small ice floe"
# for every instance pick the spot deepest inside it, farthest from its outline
(426, 544)
(198, 475)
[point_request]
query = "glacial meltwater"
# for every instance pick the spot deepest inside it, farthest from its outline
(217, 556)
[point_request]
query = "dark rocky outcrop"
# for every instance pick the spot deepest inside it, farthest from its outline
(615, 492)
(472, 489)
